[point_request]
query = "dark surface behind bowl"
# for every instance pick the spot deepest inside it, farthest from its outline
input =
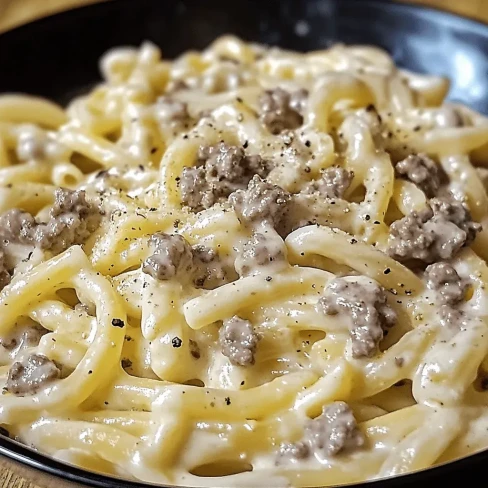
(57, 57)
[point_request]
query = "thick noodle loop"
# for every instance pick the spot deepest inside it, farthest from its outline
(204, 327)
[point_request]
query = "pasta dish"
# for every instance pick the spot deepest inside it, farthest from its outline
(245, 267)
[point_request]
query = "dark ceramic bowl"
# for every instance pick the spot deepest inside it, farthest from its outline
(56, 57)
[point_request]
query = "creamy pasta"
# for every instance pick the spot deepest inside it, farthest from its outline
(245, 267)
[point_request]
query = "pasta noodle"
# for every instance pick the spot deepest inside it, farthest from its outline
(245, 267)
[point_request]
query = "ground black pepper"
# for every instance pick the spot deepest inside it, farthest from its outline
(118, 323)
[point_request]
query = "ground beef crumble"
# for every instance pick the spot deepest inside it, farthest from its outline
(238, 341)
(262, 202)
(71, 221)
(4, 274)
(450, 290)
(172, 256)
(422, 171)
(436, 233)
(22, 337)
(16, 226)
(333, 432)
(333, 183)
(444, 279)
(220, 170)
(364, 303)
(27, 377)
(210, 272)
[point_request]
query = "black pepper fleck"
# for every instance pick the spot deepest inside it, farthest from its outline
(118, 323)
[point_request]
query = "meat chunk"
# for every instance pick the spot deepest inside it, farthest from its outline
(4, 274)
(209, 269)
(171, 112)
(421, 170)
(450, 289)
(443, 278)
(364, 304)
(238, 341)
(334, 431)
(261, 252)
(220, 170)
(68, 201)
(451, 317)
(331, 433)
(22, 337)
(231, 163)
(196, 192)
(16, 226)
(172, 256)
(435, 233)
(333, 183)
(72, 221)
(30, 375)
(280, 110)
(458, 213)
(293, 452)
(411, 239)
(261, 202)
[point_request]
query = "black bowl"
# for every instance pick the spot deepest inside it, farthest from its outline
(56, 57)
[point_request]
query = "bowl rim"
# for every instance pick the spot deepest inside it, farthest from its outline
(26, 457)
(446, 16)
